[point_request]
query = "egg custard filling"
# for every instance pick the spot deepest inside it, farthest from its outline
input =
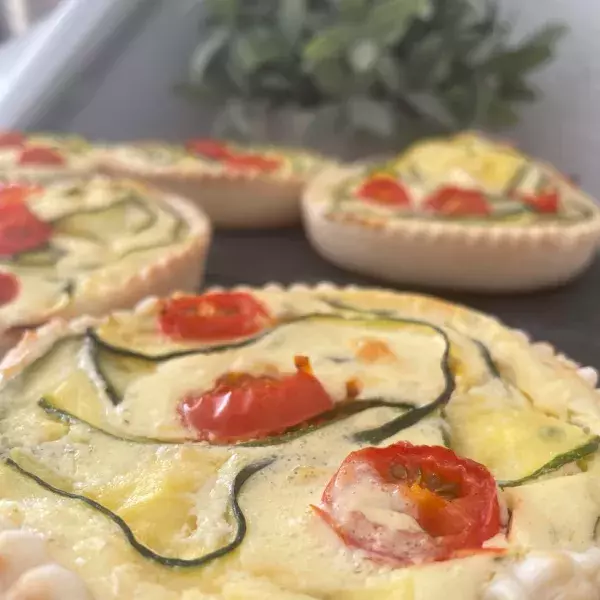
(467, 179)
(311, 443)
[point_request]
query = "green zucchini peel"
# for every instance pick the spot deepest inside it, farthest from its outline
(235, 490)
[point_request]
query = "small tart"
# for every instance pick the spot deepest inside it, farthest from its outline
(237, 186)
(87, 246)
(167, 452)
(43, 157)
(461, 213)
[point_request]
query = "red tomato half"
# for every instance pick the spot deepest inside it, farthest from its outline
(546, 202)
(384, 189)
(209, 148)
(244, 407)
(449, 504)
(458, 202)
(38, 155)
(211, 317)
(21, 230)
(9, 288)
(16, 193)
(265, 164)
(11, 139)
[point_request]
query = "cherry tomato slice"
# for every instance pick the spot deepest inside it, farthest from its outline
(211, 317)
(38, 155)
(245, 407)
(9, 288)
(11, 139)
(430, 503)
(458, 202)
(265, 164)
(384, 189)
(209, 148)
(21, 230)
(546, 202)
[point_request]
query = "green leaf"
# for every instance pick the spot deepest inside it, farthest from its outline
(460, 103)
(352, 10)
(223, 10)
(275, 82)
(363, 55)
(501, 115)
(431, 106)
(332, 78)
(255, 48)
(429, 62)
(548, 36)
(516, 90)
(329, 44)
(205, 53)
(392, 74)
(373, 117)
(533, 53)
(291, 17)
(389, 20)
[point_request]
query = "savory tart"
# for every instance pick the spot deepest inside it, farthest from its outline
(463, 212)
(88, 246)
(297, 444)
(43, 157)
(237, 186)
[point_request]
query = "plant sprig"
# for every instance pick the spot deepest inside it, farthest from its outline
(377, 65)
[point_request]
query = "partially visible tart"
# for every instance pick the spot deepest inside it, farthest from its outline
(463, 212)
(297, 444)
(43, 157)
(238, 186)
(86, 246)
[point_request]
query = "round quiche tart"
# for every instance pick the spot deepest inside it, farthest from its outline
(87, 246)
(296, 444)
(463, 213)
(237, 186)
(43, 157)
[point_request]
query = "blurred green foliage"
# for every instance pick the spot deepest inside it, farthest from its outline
(372, 65)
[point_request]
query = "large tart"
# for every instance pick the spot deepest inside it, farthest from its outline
(87, 246)
(301, 444)
(43, 157)
(463, 212)
(237, 186)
